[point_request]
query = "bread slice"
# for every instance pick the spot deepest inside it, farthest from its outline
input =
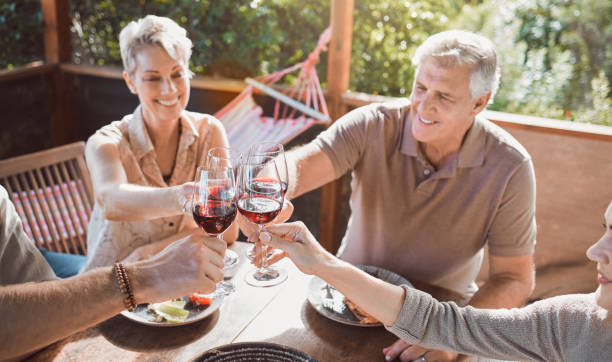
(359, 313)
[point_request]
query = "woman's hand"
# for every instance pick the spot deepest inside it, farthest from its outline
(250, 230)
(297, 243)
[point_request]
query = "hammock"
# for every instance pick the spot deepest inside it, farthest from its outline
(297, 107)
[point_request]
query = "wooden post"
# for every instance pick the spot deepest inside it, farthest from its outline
(56, 30)
(57, 50)
(338, 70)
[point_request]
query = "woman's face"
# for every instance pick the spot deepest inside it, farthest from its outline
(601, 252)
(161, 83)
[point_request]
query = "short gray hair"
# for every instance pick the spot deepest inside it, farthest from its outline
(154, 30)
(460, 47)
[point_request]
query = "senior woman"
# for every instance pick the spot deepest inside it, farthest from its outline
(142, 165)
(565, 328)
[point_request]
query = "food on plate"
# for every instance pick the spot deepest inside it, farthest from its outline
(172, 311)
(200, 299)
(359, 313)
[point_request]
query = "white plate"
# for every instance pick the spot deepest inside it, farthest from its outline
(329, 302)
(143, 315)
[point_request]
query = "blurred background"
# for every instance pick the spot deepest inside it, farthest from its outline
(555, 54)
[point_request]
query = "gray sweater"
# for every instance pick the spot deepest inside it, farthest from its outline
(564, 328)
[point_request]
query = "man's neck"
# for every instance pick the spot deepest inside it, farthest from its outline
(437, 156)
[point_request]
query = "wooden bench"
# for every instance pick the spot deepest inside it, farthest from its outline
(52, 193)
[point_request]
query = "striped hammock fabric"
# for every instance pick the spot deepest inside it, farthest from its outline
(245, 122)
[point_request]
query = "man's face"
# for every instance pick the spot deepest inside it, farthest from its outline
(442, 108)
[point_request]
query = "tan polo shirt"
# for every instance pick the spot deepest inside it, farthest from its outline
(20, 260)
(110, 241)
(426, 224)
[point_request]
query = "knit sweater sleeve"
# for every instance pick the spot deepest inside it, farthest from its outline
(556, 329)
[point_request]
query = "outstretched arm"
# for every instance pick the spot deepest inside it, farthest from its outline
(37, 314)
(309, 168)
(121, 200)
(417, 318)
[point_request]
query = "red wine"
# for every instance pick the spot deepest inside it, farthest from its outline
(216, 217)
(260, 210)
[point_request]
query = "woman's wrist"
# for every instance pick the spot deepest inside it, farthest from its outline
(328, 263)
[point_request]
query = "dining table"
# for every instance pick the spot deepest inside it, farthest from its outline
(279, 314)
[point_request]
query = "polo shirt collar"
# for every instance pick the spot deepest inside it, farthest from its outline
(141, 143)
(471, 153)
(409, 145)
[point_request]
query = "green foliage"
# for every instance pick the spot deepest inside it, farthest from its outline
(21, 36)
(232, 39)
(385, 35)
(551, 52)
(555, 56)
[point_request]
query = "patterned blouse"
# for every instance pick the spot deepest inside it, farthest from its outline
(111, 241)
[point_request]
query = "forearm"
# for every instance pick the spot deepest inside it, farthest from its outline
(507, 334)
(380, 299)
(309, 168)
(128, 202)
(501, 292)
(37, 314)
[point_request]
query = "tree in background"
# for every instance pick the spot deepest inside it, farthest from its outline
(556, 58)
(233, 39)
(21, 33)
(556, 61)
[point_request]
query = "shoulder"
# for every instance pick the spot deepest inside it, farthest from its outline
(375, 119)
(113, 133)
(500, 142)
(203, 122)
(4, 203)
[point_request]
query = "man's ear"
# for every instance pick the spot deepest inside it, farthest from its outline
(129, 82)
(480, 103)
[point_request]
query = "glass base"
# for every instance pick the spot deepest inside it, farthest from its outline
(223, 289)
(267, 278)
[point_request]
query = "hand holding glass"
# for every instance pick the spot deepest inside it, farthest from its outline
(260, 199)
(213, 207)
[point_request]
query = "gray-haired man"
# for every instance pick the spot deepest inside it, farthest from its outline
(433, 182)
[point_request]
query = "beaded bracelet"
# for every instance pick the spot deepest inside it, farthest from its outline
(125, 286)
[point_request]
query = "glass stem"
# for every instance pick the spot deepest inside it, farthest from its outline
(262, 269)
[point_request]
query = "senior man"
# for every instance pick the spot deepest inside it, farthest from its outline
(38, 309)
(433, 182)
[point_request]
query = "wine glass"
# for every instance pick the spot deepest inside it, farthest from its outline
(259, 200)
(276, 151)
(213, 207)
(225, 157)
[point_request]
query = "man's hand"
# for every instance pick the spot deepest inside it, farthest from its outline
(407, 352)
(192, 264)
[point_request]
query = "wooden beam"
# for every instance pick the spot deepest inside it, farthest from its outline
(56, 30)
(57, 49)
(338, 71)
(28, 70)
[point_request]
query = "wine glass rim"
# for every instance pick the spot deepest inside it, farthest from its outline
(279, 146)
